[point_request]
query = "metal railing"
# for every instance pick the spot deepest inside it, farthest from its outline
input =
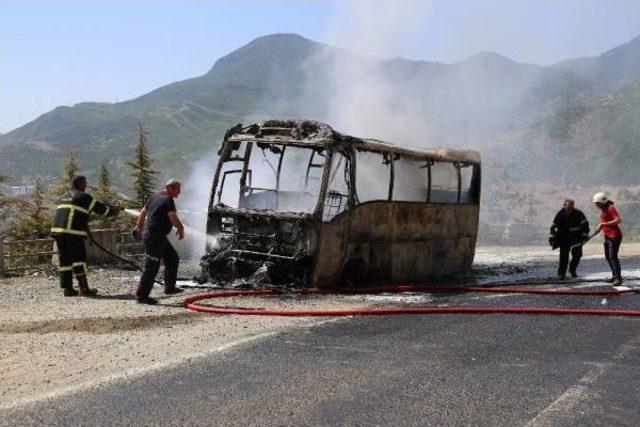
(533, 234)
(20, 256)
(24, 255)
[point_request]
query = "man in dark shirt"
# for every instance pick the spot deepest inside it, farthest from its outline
(569, 231)
(160, 215)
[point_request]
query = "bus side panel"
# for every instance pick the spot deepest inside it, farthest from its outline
(370, 241)
(412, 261)
(330, 253)
(412, 241)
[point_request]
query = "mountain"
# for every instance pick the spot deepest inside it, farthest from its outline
(611, 70)
(184, 119)
(485, 101)
(598, 141)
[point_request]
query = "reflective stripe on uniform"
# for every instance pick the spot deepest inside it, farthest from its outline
(65, 268)
(584, 221)
(152, 258)
(93, 202)
(574, 228)
(80, 264)
(72, 212)
(68, 206)
(106, 212)
(68, 231)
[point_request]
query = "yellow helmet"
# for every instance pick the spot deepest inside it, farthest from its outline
(600, 197)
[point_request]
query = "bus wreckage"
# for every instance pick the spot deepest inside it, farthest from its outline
(295, 202)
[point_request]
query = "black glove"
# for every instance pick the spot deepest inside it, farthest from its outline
(552, 242)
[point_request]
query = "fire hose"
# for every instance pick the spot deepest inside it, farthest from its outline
(191, 303)
(125, 260)
(504, 288)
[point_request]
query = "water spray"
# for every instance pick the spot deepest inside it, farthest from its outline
(188, 230)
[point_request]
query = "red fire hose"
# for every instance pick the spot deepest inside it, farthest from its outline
(191, 302)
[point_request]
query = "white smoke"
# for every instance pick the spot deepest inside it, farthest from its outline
(363, 101)
(192, 206)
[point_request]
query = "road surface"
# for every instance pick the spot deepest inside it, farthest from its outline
(398, 370)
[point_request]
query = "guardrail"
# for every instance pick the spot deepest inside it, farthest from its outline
(21, 255)
(18, 256)
(532, 234)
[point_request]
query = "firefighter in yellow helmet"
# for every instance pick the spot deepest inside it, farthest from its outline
(70, 228)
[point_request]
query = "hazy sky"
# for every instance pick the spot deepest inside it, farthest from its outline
(63, 52)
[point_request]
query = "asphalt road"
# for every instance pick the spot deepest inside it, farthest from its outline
(402, 370)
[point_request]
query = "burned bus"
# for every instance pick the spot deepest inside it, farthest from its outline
(299, 203)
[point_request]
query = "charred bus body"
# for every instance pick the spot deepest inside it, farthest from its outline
(297, 202)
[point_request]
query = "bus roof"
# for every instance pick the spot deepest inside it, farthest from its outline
(316, 134)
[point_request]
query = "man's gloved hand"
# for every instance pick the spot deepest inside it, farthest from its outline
(552, 241)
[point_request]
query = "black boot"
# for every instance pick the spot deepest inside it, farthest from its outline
(70, 292)
(85, 290)
(170, 290)
(66, 283)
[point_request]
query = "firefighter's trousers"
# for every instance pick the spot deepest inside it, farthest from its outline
(73, 258)
(157, 248)
(576, 254)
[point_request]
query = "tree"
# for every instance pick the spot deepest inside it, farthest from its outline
(104, 191)
(69, 170)
(143, 176)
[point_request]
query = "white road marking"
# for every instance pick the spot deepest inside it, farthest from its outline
(324, 347)
(581, 390)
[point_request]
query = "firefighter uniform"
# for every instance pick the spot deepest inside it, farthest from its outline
(569, 231)
(70, 228)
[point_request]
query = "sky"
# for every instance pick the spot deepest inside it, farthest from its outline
(56, 53)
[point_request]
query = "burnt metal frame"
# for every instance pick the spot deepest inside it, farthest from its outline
(429, 163)
(225, 156)
(349, 154)
(226, 151)
(311, 165)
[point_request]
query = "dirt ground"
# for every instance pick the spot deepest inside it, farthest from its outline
(53, 345)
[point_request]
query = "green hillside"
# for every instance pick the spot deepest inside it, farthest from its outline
(611, 70)
(184, 119)
(486, 102)
(541, 116)
(598, 142)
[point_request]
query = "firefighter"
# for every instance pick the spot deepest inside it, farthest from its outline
(159, 214)
(70, 228)
(609, 220)
(569, 231)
